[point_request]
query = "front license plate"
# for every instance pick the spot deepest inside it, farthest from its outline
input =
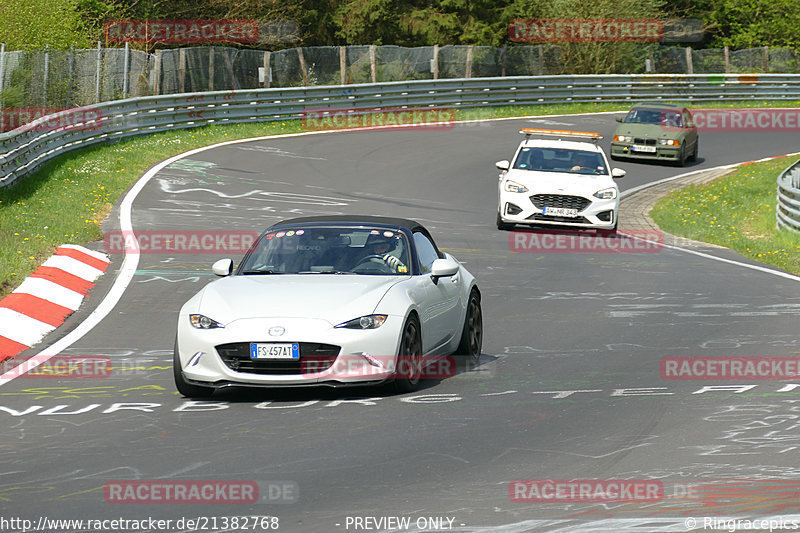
(559, 212)
(642, 148)
(286, 352)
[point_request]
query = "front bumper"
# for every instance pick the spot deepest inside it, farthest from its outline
(363, 356)
(518, 208)
(663, 152)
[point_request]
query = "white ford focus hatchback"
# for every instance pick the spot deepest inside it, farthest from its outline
(562, 180)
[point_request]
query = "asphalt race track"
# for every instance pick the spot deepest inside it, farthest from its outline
(569, 386)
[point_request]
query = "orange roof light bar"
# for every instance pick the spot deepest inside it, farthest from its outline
(562, 133)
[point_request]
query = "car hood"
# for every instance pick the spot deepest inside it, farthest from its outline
(560, 182)
(331, 297)
(652, 131)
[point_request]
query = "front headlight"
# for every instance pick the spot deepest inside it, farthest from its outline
(203, 322)
(513, 186)
(606, 194)
(364, 322)
(669, 142)
(623, 138)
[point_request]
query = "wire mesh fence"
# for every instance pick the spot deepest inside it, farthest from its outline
(41, 81)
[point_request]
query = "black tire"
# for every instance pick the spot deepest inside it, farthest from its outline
(693, 157)
(682, 156)
(409, 360)
(187, 389)
(472, 334)
(610, 232)
(502, 226)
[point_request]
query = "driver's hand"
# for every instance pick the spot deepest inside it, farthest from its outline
(392, 261)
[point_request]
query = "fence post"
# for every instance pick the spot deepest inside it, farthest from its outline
(157, 73)
(2, 75)
(302, 65)
(726, 53)
(468, 70)
(267, 70)
(766, 59)
(373, 73)
(540, 64)
(46, 73)
(435, 62)
(71, 63)
(503, 60)
(343, 65)
(126, 66)
(689, 61)
(210, 68)
(97, 73)
(182, 70)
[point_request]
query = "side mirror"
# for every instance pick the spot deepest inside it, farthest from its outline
(617, 173)
(619, 119)
(503, 165)
(223, 267)
(443, 268)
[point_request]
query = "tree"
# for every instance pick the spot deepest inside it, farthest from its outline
(753, 23)
(32, 24)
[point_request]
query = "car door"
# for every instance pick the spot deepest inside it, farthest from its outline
(440, 312)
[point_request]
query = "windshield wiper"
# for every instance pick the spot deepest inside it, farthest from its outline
(325, 272)
(248, 272)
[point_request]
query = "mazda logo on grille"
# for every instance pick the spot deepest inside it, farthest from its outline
(276, 331)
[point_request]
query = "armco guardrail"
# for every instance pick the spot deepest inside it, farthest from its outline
(25, 149)
(787, 210)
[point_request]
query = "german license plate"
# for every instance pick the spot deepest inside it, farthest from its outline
(559, 212)
(275, 351)
(643, 148)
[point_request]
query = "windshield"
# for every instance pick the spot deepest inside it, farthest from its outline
(329, 250)
(560, 160)
(654, 116)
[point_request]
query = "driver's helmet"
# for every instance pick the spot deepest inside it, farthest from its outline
(381, 242)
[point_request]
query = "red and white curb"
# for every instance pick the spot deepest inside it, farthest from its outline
(44, 300)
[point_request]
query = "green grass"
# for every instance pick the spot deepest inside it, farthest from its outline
(738, 212)
(65, 200)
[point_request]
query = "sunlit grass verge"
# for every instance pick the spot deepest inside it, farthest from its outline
(738, 212)
(65, 201)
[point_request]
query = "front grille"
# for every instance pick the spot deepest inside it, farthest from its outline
(576, 220)
(560, 200)
(314, 357)
(646, 142)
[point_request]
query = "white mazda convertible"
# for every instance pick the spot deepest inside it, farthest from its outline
(333, 300)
